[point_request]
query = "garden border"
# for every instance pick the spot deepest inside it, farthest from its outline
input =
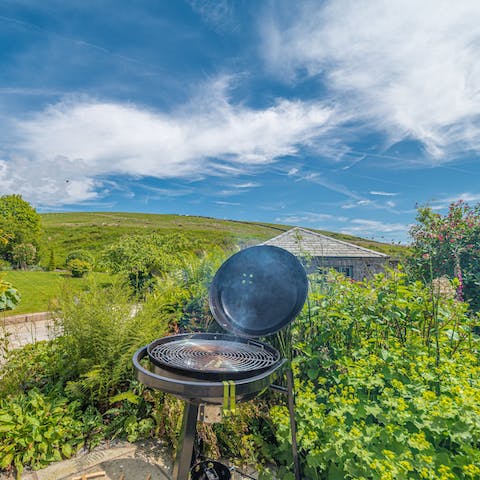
(26, 318)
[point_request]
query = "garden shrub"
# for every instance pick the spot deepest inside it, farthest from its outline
(83, 255)
(387, 384)
(79, 268)
(449, 245)
(5, 265)
(142, 258)
(379, 416)
(36, 430)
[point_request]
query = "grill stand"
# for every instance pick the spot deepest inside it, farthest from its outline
(293, 423)
(184, 458)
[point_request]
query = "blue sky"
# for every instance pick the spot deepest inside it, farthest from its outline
(340, 115)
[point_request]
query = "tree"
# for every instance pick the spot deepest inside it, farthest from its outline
(19, 222)
(141, 258)
(449, 245)
(24, 255)
(51, 261)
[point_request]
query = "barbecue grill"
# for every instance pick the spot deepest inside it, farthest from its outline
(255, 293)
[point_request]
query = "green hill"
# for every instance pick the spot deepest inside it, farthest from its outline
(93, 231)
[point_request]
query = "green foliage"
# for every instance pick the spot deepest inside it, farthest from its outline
(135, 413)
(9, 296)
(387, 383)
(24, 255)
(52, 264)
(20, 222)
(79, 267)
(5, 265)
(379, 417)
(449, 245)
(83, 255)
(102, 330)
(38, 365)
(142, 258)
(36, 430)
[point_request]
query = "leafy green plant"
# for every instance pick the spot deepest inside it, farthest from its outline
(9, 296)
(387, 383)
(377, 416)
(79, 267)
(36, 430)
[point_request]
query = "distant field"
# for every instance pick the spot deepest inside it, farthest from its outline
(93, 231)
(39, 288)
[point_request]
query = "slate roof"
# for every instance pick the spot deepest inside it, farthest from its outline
(301, 242)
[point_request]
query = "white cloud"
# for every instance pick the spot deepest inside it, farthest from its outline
(444, 203)
(411, 67)
(247, 185)
(307, 217)
(359, 203)
(84, 140)
(360, 226)
(383, 194)
(231, 204)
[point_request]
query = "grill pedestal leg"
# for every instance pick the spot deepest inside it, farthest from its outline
(183, 461)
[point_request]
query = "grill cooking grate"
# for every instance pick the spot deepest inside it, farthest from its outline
(213, 355)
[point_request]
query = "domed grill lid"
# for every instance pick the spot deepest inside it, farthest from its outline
(258, 291)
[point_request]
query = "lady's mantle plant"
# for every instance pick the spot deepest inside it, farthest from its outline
(378, 397)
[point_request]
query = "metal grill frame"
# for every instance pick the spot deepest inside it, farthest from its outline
(257, 356)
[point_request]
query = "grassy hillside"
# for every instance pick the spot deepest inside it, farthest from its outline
(94, 231)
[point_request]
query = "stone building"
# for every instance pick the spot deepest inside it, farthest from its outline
(320, 252)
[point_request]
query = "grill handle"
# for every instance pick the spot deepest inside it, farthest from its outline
(256, 344)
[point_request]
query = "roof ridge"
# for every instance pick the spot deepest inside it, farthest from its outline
(343, 241)
(321, 235)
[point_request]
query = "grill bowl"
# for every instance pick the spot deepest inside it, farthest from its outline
(208, 356)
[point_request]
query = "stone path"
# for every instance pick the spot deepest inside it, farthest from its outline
(19, 334)
(141, 461)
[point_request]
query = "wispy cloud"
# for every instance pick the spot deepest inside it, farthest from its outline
(218, 14)
(410, 67)
(444, 203)
(364, 227)
(83, 140)
(307, 217)
(231, 204)
(319, 179)
(359, 203)
(383, 194)
(246, 185)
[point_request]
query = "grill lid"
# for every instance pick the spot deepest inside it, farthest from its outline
(258, 291)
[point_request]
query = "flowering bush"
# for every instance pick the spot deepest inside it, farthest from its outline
(449, 245)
